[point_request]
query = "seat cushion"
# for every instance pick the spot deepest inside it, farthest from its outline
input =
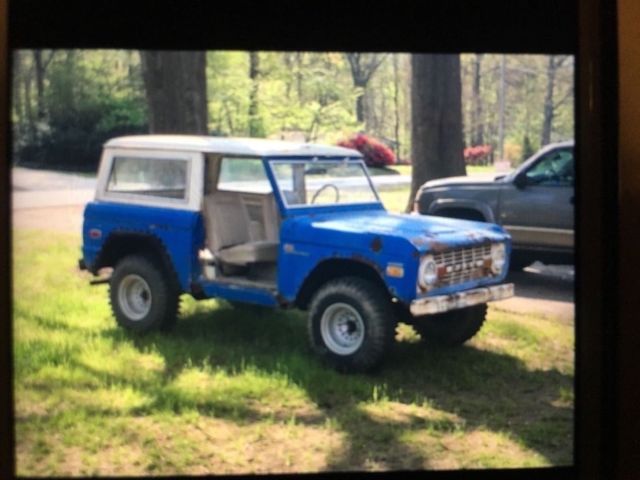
(226, 220)
(250, 252)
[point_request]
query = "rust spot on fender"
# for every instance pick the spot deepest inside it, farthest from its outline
(433, 245)
(376, 244)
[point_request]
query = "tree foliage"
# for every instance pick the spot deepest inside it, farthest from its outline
(87, 99)
(527, 85)
(66, 103)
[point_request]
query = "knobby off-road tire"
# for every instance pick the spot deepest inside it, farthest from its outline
(452, 328)
(351, 324)
(143, 296)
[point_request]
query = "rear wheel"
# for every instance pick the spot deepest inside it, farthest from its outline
(351, 325)
(142, 297)
(450, 329)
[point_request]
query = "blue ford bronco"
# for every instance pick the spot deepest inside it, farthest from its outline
(283, 225)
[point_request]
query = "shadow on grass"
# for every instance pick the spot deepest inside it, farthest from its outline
(479, 389)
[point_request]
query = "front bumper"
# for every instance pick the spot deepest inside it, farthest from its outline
(444, 303)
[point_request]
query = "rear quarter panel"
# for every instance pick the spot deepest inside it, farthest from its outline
(180, 232)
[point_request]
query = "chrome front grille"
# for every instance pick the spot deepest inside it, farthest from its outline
(463, 265)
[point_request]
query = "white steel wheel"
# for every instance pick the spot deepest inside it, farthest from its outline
(342, 328)
(144, 296)
(351, 324)
(134, 297)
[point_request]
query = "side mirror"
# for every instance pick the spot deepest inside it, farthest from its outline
(520, 181)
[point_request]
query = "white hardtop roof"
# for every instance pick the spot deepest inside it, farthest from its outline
(231, 146)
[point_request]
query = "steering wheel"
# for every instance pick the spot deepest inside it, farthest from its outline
(324, 187)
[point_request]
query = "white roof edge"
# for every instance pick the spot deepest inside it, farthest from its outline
(228, 145)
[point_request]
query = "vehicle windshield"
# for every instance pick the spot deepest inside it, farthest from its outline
(322, 182)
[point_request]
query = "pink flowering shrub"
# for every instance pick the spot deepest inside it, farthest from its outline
(375, 153)
(478, 155)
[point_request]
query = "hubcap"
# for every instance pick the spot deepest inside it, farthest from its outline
(342, 328)
(134, 296)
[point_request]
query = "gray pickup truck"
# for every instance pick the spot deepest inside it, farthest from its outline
(534, 203)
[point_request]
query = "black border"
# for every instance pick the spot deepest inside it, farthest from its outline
(586, 28)
(515, 26)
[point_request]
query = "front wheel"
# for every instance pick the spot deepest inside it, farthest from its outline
(142, 297)
(351, 325)
(450, 329)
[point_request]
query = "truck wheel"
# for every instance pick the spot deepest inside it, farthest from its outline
(450, 329)
(142, 298)
(351, 325)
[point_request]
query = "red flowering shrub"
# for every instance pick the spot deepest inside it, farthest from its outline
(375, 153)
(478, 155)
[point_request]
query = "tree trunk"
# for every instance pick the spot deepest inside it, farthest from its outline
(41, 66)
(396, 107)
(256, 128)
(360, 107)
(501, 108)
(28, 107)
(175, 84)
(371, 123)
(477, 124)
(436, 114)
(16, 98)
(287, 59)
(547, 121)
(363, 66)
(299, 65)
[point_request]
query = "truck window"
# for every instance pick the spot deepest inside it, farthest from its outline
(243, 175)
(155, 177)
(555, 169)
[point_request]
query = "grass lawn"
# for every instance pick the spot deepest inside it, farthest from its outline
(395, 198)
(238, 391)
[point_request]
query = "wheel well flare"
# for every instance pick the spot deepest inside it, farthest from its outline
(332, 269)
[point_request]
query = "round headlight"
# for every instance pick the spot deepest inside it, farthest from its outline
(498, 258)
(428, 274)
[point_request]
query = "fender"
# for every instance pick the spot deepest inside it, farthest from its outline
(479, 206)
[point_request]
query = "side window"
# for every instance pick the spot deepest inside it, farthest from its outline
(555, 168)
(155, 177)
(243, 175)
